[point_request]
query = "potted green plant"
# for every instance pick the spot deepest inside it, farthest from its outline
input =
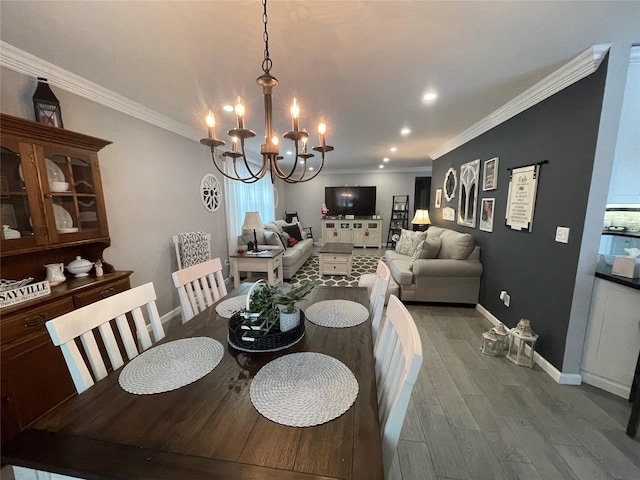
(290, 314)
(260, 308)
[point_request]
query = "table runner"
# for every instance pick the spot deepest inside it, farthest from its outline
(171, 365)
(303, 389)
(337, 313)
(226, 308)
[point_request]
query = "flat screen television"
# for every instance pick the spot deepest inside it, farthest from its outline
(356, 201)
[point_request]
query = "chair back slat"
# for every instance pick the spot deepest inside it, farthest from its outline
(81, 323)
(93, 355)
(377, 297)
(109, 341)
(199, 287)
(398, 356)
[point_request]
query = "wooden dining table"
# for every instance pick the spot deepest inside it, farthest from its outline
(210, 429)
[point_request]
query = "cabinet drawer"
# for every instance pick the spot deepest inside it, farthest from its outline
(335, 258)
(15, 326)
(104, 291)
(331, 268)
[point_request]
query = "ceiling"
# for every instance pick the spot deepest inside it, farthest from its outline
(363, 65)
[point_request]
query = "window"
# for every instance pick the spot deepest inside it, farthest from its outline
(246, 197)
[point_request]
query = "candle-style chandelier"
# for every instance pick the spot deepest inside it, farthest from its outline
(270, 148)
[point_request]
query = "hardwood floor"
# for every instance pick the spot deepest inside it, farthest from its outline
(473, 416)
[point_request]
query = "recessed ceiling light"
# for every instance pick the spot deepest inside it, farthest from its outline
(289, 152)
(405, 131)
(381, 166)
(429, 97)
(394, 149)
(385, 159)
(228, 108)
(310, 168)
(300, 162)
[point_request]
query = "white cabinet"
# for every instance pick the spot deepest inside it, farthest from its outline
(362, 233)
(613, 337)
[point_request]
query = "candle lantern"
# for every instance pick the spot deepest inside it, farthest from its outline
(495, 342)
(46, 105)
(518, 349)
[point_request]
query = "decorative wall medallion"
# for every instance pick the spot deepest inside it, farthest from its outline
(210, 192)
(468, 199)
(449, 214)
(450, 184)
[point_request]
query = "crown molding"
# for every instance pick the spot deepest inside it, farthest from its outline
(580, 67)
(22, 62)
(423, 170)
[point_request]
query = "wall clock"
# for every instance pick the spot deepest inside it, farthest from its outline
(210, 192)
(450, 184)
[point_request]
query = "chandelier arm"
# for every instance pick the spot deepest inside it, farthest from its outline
(312, 176)
(287, 177)
(251, 179)
(257, 176)
(221, 170)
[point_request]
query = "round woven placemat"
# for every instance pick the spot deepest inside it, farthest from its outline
(337, 313)
(171, 365)
(303, 389)
(228, 307)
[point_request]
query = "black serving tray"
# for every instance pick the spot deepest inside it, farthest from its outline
(271, 341)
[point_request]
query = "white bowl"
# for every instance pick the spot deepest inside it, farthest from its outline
(59, 186)
(80, 267)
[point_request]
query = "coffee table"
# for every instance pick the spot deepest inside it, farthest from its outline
(336, 259)
(269, 261)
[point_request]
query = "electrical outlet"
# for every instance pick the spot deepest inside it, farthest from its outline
(226, 263)
(562, 234)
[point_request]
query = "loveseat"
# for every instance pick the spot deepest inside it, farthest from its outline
(439, 265)
(275, 236)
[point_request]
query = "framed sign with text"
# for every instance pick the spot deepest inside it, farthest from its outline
(521, 199)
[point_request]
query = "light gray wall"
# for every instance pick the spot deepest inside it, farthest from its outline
(151, 179)
(307, 198)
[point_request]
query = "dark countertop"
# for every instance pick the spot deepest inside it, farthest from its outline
(604, 271)
(625, 233)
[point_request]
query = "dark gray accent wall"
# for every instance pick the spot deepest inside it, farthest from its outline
(537, 272)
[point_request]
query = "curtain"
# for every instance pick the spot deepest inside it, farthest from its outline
(246, 197)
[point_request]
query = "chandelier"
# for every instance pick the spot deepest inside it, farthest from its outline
(269, 150)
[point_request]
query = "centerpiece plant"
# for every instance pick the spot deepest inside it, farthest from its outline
(290, 314)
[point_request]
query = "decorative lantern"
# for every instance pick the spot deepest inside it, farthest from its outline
(46, 105)
(526, 338)
(495, 342)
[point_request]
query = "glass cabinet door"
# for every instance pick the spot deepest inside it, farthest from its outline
(72, 191)
(16, 204)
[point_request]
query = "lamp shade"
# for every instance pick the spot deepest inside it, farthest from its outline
(421, 218)
(251, 221)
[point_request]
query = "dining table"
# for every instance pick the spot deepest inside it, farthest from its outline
(210, 429)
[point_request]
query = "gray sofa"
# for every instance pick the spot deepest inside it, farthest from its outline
(293, 257)
(450, 275)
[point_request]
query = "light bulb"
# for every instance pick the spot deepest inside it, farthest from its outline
(239, 108)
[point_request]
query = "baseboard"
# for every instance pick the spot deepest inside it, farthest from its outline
(549, 369)
(606, 384)
(171, 314)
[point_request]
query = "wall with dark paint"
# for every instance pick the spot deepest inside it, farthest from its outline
(536, 271)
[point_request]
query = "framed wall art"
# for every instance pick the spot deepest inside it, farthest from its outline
(490, 175)
(438, 198)
(468, 194)
(486, 214)
(450, 184)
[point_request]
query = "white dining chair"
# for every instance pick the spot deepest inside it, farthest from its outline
(199, 287)
(81, 324)
(191, 248)
(398, 357)
(377, 296)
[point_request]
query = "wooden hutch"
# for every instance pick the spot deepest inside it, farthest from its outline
(52, 203)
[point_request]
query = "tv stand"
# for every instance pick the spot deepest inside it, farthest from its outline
(360, 232)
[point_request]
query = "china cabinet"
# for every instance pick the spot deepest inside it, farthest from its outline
(52, 208)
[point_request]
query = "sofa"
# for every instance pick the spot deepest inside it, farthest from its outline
(275, 236)
(439, 265)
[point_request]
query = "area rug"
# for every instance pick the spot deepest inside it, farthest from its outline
(311, 271)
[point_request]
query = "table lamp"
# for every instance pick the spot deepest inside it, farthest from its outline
(251, 222)
(421, 218)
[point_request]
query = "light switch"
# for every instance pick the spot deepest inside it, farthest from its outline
(562, 234)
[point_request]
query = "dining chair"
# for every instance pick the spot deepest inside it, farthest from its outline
(199, 287)
(80, 323)
(192, 248)
(398, 357)
(377, 296)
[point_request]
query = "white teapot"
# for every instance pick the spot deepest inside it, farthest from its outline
(80, 267)
(55, 273)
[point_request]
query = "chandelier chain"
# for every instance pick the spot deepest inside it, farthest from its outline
(266, 63)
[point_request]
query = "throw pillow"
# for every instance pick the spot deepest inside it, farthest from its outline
(302, 232)
(408, 241)
(273, 238)
(430, 247)
(293, 231)
(248, 233)
(292, 241)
